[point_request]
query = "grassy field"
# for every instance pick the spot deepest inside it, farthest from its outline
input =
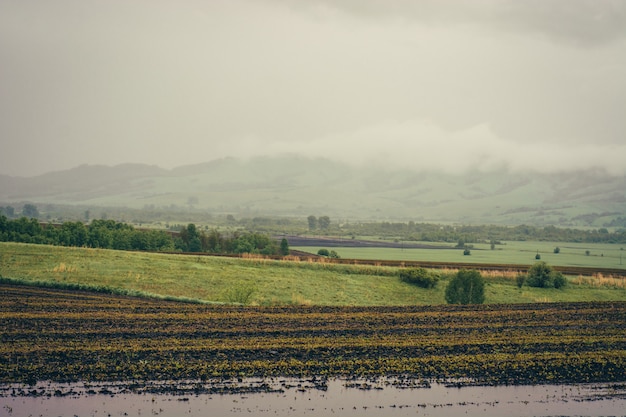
(224, 280)
(523, 253)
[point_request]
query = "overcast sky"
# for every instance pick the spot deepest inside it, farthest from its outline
(451, 85)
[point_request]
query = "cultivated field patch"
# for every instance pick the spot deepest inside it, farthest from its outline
(63, 336)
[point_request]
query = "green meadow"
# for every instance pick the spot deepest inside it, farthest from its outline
(260, 281)
(522, 253)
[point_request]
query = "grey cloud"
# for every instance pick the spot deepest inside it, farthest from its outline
(579, 22)
(423, 146)
(576, 22)
(443, 84)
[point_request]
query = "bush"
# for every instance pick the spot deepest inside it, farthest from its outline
(519, 280)
(541, 275)
(240, 294)
(467, 287)
(559, 280)
(557, 250)
(420, 277)
(467, 252)
(323, 252)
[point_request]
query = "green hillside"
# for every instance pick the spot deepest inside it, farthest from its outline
(223, 280)
(296, 186)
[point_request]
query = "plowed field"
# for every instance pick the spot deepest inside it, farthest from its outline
(56, 335)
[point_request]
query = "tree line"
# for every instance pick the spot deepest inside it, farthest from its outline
(190, 239)
(429, 232)
(109, 234)
(407, 231)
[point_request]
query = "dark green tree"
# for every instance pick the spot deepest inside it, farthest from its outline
(139, 241)
(213, 242)
(467, 287)
(100, 236)
(284, 247)
(30, 211)
(558, 280)
(190, 239)
(541, 275)
(312, 222)
(23, 230)
(195, 244)
(8, 211)
(254, 243)
(73, 234)
(4, 228)
(323, 222)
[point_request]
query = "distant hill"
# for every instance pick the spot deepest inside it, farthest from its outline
(297, 186)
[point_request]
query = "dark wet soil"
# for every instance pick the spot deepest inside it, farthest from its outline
(68, 336)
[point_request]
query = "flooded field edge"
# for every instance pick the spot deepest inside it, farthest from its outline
(310, 396)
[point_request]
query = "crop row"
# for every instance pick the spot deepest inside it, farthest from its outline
(48, 334)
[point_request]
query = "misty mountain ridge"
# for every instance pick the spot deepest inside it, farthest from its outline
(299, 186)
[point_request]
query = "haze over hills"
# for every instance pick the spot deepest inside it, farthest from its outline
(299, 186)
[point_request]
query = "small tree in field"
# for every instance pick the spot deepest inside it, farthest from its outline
(420, 277)
(539, 275)
(467, 287)
(284, 247)
(542, 275)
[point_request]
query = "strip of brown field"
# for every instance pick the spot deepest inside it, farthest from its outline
(309, 257)
(332, 242)
(57, 335)
(567, 270)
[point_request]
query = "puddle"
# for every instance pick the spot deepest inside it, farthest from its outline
(313, 397)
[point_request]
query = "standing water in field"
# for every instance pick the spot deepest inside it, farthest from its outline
(312, 398)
